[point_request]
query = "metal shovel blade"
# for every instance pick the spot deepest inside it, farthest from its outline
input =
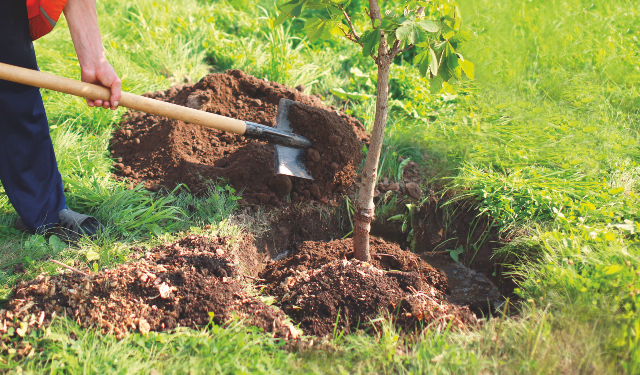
(288, 160)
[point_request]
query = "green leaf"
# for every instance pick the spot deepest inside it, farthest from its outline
(281, 18)
(609, 270)
(154, 228)
(391, 38)
(401, 168)
(461, 37)
(370, 40)
(297, 9)
(436, 84)
(59, 337)
(287, 7)
(316, 4)
(92, 255)
(427, 62)
(422, 59)
(439, 46)
(433, 65)
(430, 26)
(410, 32)
(450, 64)
(318, 28)
(447, 31)
(468, 68)
(56, 244)
(396, 217)
(389, 24)
(456, 252)
(334, 11)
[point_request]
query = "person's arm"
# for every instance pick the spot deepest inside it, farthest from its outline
(83, 24)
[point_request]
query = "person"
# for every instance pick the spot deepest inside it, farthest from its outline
(28, 167)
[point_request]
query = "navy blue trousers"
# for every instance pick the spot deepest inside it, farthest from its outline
(28, 168)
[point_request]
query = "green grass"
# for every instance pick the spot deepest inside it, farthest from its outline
(545, 141)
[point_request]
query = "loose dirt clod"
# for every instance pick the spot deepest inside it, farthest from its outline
(336, 151)
(160, 152)
(176, 284)
(321, 283)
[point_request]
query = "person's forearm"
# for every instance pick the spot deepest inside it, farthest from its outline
(83, 25)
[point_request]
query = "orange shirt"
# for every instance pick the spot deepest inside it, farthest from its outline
(43, 15)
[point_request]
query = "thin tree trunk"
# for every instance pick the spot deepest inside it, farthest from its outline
(364, 213)
(365, 209)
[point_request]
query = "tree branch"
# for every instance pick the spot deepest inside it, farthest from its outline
(394, 49)
(353, 30)
(69, 267)
(405, 49)
(348, 36)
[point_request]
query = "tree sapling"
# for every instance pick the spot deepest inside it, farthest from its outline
(431, 27)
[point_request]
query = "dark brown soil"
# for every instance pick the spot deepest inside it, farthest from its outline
(386, 256)
(315, 282)
(291, 226)
(161, 152)
(336, 151)
(250, 260)
(468, 287)
(321, 282)
(184, 283)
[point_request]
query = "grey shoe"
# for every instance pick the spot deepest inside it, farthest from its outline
(73, 225)
(20, 225)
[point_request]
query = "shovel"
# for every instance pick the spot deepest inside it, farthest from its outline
(289, 156)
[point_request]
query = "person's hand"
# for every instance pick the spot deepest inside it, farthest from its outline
(83, 26)
(104, 75)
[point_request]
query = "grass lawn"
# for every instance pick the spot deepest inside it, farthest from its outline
(545, 140)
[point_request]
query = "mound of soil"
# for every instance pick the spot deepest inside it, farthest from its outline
(336, 151)
(176, 284)
(161, 152)
(354, 293)
(319, 285)
(386, 256)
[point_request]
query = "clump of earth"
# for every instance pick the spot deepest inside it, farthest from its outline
(186, 283)
(322, 284)
(162, 153)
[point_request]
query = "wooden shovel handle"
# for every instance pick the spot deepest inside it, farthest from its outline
(139, 103)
